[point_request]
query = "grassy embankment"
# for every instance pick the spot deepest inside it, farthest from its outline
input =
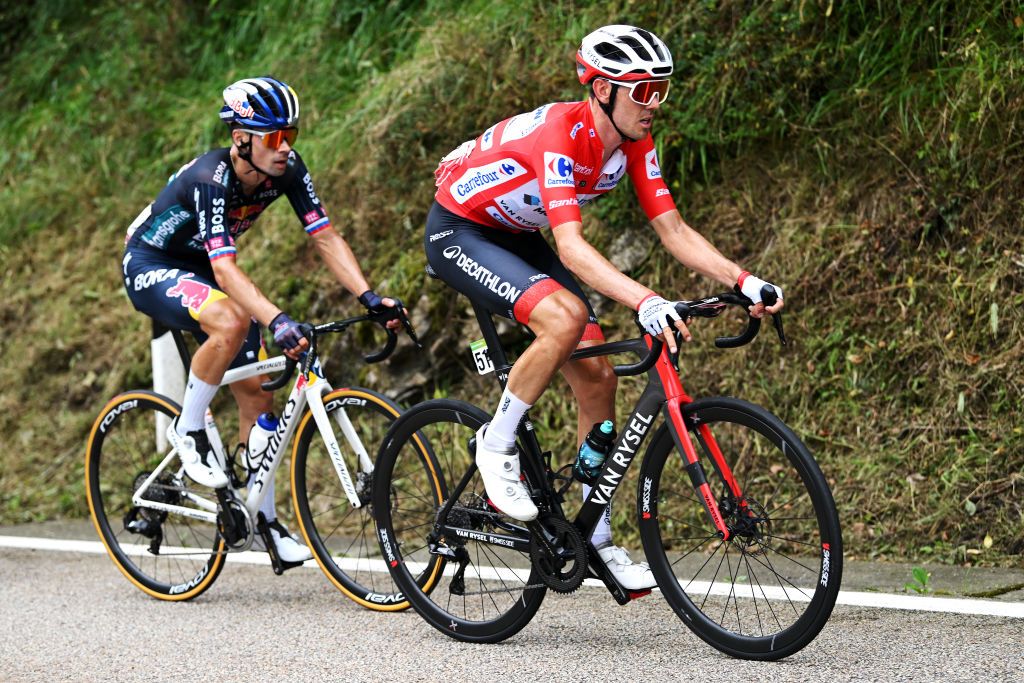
(865, 155)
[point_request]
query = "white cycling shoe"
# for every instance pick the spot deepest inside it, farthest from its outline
(196, 454)
(500, 472)
(289, 547)
(634, 576)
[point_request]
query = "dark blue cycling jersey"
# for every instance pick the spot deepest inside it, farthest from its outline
(203, 208)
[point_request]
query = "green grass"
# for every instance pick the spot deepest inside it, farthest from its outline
(866, 155)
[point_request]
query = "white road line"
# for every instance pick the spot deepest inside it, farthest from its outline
(851, 598)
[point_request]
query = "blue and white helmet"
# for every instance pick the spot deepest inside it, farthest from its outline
(263, 103)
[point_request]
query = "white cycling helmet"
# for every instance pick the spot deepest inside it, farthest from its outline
(623, 53)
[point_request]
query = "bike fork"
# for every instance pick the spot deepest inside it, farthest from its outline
(696, 471)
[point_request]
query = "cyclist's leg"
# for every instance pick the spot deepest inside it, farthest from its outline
(184, 295)
(594, 384)
(493, 269)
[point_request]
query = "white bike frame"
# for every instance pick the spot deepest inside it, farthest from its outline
(307, 390)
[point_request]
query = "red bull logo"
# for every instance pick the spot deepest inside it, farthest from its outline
(192, 294)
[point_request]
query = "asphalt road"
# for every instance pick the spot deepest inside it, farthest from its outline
(70, 616)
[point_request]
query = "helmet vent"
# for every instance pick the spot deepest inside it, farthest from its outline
(638, 47)
(609, 51)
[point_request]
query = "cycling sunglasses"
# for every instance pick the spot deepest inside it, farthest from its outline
(273, 139)
(644, 92)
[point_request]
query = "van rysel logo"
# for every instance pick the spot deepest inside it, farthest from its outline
(624, 454)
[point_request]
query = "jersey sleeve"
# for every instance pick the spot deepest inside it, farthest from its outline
(303, 198)
(645, 172)
(554, 160)
(209, 202)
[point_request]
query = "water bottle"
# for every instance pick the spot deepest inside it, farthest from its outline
(593, 452)
(259, 440)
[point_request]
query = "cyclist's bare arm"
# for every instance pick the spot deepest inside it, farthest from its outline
(692, 250)
(586, 262)
(341, 261)
(240, 288)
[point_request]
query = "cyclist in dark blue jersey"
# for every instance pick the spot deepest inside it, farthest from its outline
(179, 267)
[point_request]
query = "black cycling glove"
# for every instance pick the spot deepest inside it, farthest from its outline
(373, 302)
(286, 331)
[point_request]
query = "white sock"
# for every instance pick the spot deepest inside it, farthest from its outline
(267, 506)
(501, 433)
(198, 395)
(603, 531)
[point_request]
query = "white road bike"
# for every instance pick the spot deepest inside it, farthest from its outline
(170, 536)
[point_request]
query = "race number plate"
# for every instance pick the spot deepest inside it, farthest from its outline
(481, 357)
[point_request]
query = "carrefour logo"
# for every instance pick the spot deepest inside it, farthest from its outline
(558, 170)
(651, 163)
(480, 178)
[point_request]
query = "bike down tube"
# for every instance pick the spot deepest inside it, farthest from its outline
(626, 448)
(278, 441)
(323, 423)
(675, 396)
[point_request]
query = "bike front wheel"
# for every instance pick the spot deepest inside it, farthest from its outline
(342, 537)
(168, 555)
(766, 591)
(482, 590)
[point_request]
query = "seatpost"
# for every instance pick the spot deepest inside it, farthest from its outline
(494, 348)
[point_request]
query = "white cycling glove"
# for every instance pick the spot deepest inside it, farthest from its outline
(750, 287)
(656, 314)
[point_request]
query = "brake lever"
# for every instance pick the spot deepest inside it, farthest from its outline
(769, 297)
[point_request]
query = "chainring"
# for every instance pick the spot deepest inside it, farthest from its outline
(561, 557)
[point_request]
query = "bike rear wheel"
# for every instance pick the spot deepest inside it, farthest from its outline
(486, 592)
(167, 555)
(768, 590)
(343, 538)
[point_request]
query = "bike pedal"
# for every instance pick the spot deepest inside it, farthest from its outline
(635, 595)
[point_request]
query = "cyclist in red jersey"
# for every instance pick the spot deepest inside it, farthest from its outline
(536, 170)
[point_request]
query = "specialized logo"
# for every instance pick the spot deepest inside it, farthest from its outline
(480, 178)
(441, 235)
(651, 164)
(193, 294)
(625, 451)
(151, 277)
(645, 500)
(110, 417)
(481, 274)
(558, 170)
